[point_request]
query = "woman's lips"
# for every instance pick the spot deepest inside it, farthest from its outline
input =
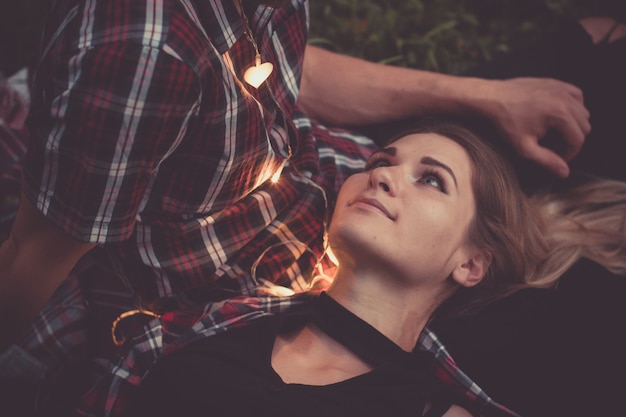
(371, 203)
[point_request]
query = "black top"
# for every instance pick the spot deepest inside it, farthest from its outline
(230, 374)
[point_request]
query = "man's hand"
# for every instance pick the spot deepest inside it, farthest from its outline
(13, 107)
(526, 109)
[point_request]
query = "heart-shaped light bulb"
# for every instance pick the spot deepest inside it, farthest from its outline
(256, 75)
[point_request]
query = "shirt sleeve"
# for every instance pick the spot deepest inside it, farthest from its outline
(105, 118)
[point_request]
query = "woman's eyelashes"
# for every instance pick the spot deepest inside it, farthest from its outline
(377, 161)
(434, 179)
(429, 176)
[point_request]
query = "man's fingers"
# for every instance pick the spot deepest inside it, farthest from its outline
(574, 133)
(581, 115)
(576, 92)
(547, 158)
(572, 121)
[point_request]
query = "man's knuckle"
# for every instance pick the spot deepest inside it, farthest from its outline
(525, 150)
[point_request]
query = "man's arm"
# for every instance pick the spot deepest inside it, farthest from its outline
(342, 90)
(34, 261)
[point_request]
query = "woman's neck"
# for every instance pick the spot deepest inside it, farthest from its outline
(310, 356)
(398, 312)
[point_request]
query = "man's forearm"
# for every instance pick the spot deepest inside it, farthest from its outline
(24, 291)
(343, 91)
(340, 90)
(34, 261)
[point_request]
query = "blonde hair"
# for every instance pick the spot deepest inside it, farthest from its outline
(587, 220)
(532, 240)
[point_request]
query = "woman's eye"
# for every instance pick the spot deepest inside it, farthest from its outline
(379, 163)
(433, 180)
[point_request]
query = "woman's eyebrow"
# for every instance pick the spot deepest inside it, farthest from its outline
(428, 160)
(390, 150)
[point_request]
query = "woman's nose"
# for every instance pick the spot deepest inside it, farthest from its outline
(383, 178)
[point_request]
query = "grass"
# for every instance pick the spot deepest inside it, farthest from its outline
(449, 36)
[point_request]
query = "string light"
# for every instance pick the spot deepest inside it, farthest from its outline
(256, 75)
(331, 256)
(279, 171)
(270, 288)
(116, 340)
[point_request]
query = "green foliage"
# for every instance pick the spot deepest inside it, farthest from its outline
(441, 35)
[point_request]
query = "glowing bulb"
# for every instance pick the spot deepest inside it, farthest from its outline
(273, 289)
(256, 75)
(283, 291)
(276, 175)
(332, 256)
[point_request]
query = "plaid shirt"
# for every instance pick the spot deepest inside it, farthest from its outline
(146, 141)
(176, 330)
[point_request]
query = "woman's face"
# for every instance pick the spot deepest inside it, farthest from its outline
(409, 211)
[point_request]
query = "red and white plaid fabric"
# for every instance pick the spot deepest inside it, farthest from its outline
(145, 139)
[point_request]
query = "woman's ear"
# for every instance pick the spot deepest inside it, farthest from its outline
(472, 271)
